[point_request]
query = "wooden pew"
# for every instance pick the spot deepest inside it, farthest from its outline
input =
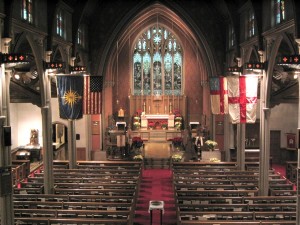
(111, 189)
(238, 217)
(236, 200)
(72, 198)
(219, 205)
(287, 207)
(81, 221)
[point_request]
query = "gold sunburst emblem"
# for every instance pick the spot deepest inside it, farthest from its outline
(71, 97)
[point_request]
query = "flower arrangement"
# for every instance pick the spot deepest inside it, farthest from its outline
(177, 125)
(177, 141)
(137, 142)
(151, 124)
(211, 144)
(138, 113)
(137, 124)
(164, 124)
(138, 157)
(176, 158)
(214, 160)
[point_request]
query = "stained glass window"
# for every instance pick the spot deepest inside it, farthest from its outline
(279, 11)
(60, 23)
(27, 10)
(157, 63)
(251, 24)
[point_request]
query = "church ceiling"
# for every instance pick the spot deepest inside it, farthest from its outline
(104, 16)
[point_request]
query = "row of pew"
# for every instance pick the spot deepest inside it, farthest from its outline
(219, 193)
(96, 192)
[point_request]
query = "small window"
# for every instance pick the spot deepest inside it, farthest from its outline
(279, 11)
(27, 10)
(81, 33)
(60, 23)
(250, 24)
(231, 36)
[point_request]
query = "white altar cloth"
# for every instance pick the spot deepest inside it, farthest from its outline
(146, 117)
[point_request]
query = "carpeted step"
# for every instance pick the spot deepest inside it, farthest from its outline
(153, 163)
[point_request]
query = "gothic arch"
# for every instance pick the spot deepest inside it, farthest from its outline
(115, 62)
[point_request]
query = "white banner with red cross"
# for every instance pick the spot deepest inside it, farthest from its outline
(242, 98)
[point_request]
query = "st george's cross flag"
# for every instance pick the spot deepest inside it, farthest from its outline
(69, 93)
(218, 95)
(92, 95)
(242, 98)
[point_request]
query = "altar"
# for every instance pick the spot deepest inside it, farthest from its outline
(157, 120)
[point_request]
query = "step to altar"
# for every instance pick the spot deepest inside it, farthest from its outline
(155, 163)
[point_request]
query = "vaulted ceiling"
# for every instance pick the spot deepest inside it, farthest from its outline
(106, 18)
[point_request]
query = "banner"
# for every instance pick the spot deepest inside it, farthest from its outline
(92, 95)
(69, 94)
(242, 98)
(218, 95)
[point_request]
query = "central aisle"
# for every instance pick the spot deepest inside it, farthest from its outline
(156, 185)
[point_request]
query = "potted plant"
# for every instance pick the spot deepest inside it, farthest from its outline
(137, 142)
(138, 157)
(164, 125)
(176, 158)
(177, 141)
(151, 124)
(211, 144)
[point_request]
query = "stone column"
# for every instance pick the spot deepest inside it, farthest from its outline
(6, 201)
(264, 152)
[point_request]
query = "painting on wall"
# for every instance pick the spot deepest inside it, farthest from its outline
(291, 140)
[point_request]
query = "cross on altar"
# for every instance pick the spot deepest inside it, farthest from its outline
(157, 107)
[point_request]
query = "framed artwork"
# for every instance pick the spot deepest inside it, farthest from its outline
(291, 140)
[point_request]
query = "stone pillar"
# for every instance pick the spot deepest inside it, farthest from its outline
(47, 130)
(298, 162)
(264, 152)
(6, 201)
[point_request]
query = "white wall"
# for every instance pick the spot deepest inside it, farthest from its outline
(26, 116)
(284, 117)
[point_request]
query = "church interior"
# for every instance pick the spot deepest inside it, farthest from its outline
(139, 111)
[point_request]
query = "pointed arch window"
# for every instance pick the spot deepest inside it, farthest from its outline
(279, 11)
(60, 30)
(157, 63)
(250, 24)
(27, 10)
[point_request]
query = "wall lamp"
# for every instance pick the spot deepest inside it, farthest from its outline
(253, 68)
(77, 69)
(14, 59)
(53, 67)
(290, 63)
(234, 70)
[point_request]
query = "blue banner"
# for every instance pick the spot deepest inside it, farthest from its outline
(69, 94)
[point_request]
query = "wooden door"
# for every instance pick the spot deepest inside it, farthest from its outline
(275, 151)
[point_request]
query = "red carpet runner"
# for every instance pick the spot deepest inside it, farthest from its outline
(156, 184)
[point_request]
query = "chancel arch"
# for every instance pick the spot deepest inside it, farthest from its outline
(186, 90)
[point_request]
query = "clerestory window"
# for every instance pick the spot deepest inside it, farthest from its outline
(27, 10)
(157, 63)
(279, 11)
(60, 28)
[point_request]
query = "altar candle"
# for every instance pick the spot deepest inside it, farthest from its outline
(149, 108)
(165, 108)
